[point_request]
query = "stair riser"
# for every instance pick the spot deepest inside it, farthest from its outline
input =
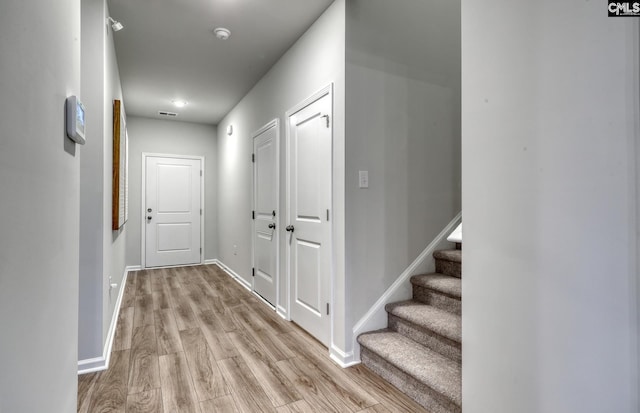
(427, 338)
(421, 393)
(434, 298)
(451, 268)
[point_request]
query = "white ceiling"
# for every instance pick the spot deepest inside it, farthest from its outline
(167, 51)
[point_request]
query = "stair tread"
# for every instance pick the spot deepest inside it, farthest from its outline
(446, 284)
(449, 255)
(434, 370)
(442, 322)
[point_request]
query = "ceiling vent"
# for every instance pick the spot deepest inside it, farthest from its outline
(167, 114)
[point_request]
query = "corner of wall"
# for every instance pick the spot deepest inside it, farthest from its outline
(102, 362)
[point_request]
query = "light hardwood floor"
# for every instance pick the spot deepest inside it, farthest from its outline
(193, 340)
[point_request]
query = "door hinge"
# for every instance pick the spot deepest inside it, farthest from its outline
(200, 250)
(200, 211)
(327, 118)
(253, 272)
(327, 215)
(253, 214)
(327, 308)
(200, 172)
(253, 157)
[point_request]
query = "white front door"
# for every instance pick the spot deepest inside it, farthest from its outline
(309, 230)
(265, 198)
(172, 211)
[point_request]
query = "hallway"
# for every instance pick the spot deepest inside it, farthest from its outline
(193, 340)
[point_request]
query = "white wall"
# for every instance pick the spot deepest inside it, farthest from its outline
(175, 138)
(92, 164)
(550, 134)
(403, 127)
(40, 183)
(101, 249)
(313, 62)
(114, 244)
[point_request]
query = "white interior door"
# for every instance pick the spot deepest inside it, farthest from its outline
(309, 230)
(265, 198)
(172, 211)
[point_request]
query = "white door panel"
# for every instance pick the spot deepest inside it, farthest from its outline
(265, 196)
(172, 209)
(309, 236)
(308, 287)
(174, 237)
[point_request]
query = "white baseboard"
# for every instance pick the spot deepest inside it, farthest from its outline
(343, 359)
(282, 312)
(92, 365)
(233, 275)
(376, 317)
(102, 363)
(134, 267)
(211, 262)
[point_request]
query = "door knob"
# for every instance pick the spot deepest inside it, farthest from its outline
(149, 218)
(289, 228)
(272, 226)
(149, 209)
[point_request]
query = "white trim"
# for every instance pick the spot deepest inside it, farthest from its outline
(376, 317)
(143, 200)
(456, 235)
(134, 267)
(211, 262)
(274, 124)
(102, 362)
(233, 275)
(343, 359)
(326, 90)
(282, 312)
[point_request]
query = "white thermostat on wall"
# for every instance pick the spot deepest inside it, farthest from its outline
(75, 120)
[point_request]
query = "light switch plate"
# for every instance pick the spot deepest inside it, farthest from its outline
(364, 179)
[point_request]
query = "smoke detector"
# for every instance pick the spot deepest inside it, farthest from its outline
(222, 33)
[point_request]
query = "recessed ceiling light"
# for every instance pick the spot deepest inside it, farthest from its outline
(222, 33)
(179, 103)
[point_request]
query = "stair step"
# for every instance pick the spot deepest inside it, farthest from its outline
(438, 290)
(429, 378)
(449, 255)
(449, 262)
(429, 326)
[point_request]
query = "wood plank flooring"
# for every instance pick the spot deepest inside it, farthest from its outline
(192, 340)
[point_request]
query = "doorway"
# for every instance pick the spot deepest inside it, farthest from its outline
(172, 210)
(308, 233)
(266, 193)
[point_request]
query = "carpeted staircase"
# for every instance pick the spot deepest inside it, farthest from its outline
(420, 351)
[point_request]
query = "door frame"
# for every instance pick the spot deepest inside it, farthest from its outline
(325, 91)
(275, 123)
(143, 204)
